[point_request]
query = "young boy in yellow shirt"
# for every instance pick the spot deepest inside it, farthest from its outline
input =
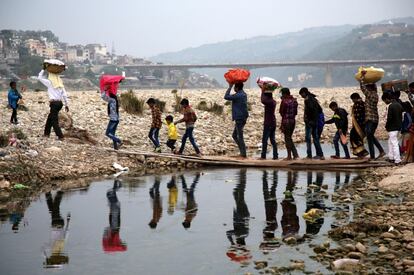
(172, 132)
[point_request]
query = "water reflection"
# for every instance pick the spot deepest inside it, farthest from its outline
(111, 240)
(191, 206)
(270, 202)
(314, 199)
(54, 250)
(238, 251)
(156, 203)
(290, 219)
(172, 195)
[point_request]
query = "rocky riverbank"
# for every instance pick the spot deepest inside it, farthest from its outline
(84, 151)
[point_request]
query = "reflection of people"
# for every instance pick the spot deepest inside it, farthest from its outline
(172, 195)
(241, 216)
(290, 220)
(338, 179)
(191, 207)
(111, 241)
(269, 196)
(156, 203)
(55, 256)
(314, 200)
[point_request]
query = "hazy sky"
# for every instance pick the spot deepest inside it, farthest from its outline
(148, 27)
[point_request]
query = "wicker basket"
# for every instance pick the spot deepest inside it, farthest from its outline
(55, 69)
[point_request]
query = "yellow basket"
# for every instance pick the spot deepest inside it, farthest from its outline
(372, 74)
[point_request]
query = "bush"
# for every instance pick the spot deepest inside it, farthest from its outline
(4, 140)
(131, 104)
(174, 91)
(202, 105)
(227, 103)
(18, 132)
(213, 108)
(161, 104)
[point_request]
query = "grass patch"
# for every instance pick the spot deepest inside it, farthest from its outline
(212, 108)
(131, 104)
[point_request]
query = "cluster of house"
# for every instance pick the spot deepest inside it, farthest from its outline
(14, 43)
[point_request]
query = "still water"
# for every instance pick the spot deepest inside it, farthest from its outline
(196, 222)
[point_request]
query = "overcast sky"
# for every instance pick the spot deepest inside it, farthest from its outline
(148, 27)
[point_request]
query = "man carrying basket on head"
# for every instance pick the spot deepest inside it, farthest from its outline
(57, 95)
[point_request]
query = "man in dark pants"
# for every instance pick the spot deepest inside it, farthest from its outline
(57, 98)
(340, 118)
(371, 118)
(311, 117)
(269, 125)
(239, 114)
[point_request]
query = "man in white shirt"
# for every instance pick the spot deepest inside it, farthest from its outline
(57, 98)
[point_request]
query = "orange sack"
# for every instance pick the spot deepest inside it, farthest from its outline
(236, 75)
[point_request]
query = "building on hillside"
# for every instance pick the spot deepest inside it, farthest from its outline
(96, 52)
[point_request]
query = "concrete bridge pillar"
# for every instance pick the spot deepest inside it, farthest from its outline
(328, 76)
(165, 75)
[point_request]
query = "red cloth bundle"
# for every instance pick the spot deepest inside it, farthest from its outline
(110, 83)
(236, 75)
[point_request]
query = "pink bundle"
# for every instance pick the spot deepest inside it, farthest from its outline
(110, 83)
(267, 83)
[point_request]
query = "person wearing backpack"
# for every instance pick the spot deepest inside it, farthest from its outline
(189, 118)
(311, 117)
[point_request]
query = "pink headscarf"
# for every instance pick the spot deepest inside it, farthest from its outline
(112, 81)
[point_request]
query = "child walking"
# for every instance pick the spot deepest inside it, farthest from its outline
(172, 132)
(13, 98)
(189, 119)
(155, 124)
(340, 118)
(113, 113)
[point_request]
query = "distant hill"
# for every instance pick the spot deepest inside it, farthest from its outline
(393, 38)
(287, 46)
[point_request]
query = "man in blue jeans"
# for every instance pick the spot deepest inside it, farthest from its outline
(239, 114)
(311, 116)
(340, 118)
(371, 118)
(189, 118)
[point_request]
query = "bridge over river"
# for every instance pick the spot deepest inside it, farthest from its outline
(327, 64)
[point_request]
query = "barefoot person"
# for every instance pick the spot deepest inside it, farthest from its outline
(311, 117)
(239, 114)
(269, 124)
(13, 98)
(288, 110)
(57, 98)
(189, 119)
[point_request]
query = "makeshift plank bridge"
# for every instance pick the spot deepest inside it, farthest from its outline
(225, 161)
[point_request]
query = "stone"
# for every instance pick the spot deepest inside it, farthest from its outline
(319, 249)
(298, 266)
(382, 249)
(349, 247)
(361, 248)
(260, 264)
(290, 240)
(4, 184)
(345, 264)
(355, 255)
(408, 262)
(387, 235)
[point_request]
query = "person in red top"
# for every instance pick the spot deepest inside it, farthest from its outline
(288, 110)
(189, 119)
(269, 125)
(155, 124)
